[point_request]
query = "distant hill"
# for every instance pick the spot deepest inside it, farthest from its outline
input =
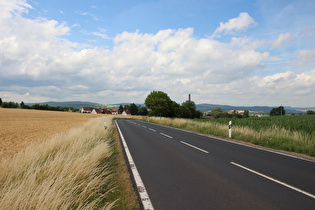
(80, 104)
(74, 104)
(201, 107)
(266, 109)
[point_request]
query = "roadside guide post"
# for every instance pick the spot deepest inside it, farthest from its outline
(230, 129)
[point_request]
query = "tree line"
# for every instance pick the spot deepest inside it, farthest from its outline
(11, 104)
(160, 104)
(218, 113)
(134, 109)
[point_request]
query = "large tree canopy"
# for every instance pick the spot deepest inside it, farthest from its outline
(277, 111)
(133, 108)
(160, 104)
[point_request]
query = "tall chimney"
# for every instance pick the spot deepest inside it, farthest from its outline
(189, 97)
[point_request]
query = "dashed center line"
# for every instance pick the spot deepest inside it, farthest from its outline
(202, 150)
(152, 130)
(166, 135)
(274, 180)
(144, 126)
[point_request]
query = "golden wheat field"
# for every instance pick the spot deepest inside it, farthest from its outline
(20, 127)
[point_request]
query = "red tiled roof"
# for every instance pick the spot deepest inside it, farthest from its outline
(98, 111)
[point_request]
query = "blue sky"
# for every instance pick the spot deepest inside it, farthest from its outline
(225, 52)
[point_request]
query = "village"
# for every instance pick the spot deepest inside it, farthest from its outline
(104, 111)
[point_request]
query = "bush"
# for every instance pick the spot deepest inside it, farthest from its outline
(9, 105)
(310, 112)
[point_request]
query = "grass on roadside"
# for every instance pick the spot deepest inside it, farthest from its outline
(73, 170)
(275, 137)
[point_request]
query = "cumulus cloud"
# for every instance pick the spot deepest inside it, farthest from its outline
(283, 38)
(240, 23)
(38, 63)
(13, 7)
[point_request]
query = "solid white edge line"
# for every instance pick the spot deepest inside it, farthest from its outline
(202, 150)
(145, 199)
(166, 135)
(275, 180)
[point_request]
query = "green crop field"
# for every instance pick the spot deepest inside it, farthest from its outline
(290, 133)
(300, 123)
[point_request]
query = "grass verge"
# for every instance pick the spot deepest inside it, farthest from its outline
(73, 170)
(276, 137)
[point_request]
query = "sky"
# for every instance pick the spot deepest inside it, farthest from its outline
(233, 52)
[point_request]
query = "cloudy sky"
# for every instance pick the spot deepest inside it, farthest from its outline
(234, 52)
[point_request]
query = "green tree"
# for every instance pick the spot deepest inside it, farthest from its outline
(121, 108)
(126, 107)
(22, 105)
(192, 108)
(143, 111)
(160, 104)
(0, 101)
(310, 112)
(185, 112)
(246, 114)
(9, 104)
(216, 112)
(133, 108)
(199, 114)
(277, 111)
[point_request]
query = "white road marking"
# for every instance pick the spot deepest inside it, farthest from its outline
(152, 129)
(144, 126)
(145, 199)
(275, 180)
(202, 150)
(166, 135)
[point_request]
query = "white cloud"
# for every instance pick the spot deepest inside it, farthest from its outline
(36, 63)
(13, 7)
(26, 98)
(242, 22)
(283, 38)
(101, 33)
(305, 56)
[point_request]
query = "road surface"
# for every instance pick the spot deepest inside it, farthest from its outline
(184, 170)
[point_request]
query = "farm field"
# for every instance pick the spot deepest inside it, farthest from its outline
(300, 123)
(294, 134)
(20, 127)
(62, 160)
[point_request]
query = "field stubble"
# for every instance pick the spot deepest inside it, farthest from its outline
(74, 164)
(19, 128)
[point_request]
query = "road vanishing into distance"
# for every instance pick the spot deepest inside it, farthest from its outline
(185, 170)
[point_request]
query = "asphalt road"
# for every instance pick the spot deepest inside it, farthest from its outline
(184, 170)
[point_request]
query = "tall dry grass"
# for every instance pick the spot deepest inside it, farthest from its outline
(68, 171)
(275, 137)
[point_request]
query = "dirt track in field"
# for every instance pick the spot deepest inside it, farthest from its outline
(19, 127)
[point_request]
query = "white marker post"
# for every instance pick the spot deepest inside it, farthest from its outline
(230, 129)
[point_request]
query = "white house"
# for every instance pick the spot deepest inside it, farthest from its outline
(97, 111)
(85, 110)
(126, 112)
